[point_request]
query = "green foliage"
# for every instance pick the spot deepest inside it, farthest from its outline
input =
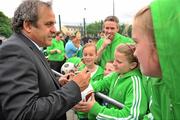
(125, 29)
(121, 28)
(129, 31)
(5, 26)
(94, 28)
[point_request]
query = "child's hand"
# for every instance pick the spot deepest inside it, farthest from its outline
(90, 103)
(58, 51)
(83, 106)
(65, 78)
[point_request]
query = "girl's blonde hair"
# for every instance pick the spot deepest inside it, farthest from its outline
(143, 19)
(90, 44)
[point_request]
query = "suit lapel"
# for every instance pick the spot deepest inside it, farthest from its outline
(40, 55)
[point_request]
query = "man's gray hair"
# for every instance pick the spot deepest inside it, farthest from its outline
(27, 11)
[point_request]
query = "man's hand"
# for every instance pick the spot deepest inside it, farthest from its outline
(107, 41)
(82, 79)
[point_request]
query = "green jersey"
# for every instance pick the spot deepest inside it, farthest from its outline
(108, 53)
(165, 92)
(97, 75)
(128, 90)
(56, 45)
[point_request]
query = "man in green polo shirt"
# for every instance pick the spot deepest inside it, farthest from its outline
(107, 45)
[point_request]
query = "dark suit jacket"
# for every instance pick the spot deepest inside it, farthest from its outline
(28, 88)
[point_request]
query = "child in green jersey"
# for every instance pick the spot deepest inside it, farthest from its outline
(156, 32)
(108, 68)
(124, 85)
(97, 73)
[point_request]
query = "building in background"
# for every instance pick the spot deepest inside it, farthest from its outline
(72, 29)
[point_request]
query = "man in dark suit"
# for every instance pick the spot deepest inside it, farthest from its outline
(28, 88)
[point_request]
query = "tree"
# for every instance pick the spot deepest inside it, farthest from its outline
(125, 29)
(94, 28)
(5, 26)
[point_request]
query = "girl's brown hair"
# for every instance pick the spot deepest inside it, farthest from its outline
(128, 50)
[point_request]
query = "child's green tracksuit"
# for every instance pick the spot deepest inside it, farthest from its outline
(148, 82)
(127, 89)
(95, 76)
(165, 91)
